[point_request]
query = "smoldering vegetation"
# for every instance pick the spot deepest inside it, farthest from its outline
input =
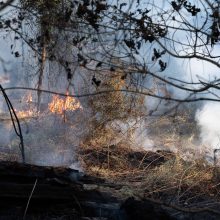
(54, 138)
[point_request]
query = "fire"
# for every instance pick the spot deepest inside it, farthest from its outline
(59, 105)
(31, 110)
(27, 98)
(25, 114)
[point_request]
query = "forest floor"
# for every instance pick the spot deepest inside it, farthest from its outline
(171, 174)
(130, 177)
(159, 175)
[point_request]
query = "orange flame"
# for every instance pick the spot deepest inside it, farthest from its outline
(27, 98)
(27, 113)
(59, 105)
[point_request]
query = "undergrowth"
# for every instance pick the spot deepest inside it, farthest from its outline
(159, 175)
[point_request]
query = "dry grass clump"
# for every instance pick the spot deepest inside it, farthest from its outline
(119, 161)
(106, 161)
(9, 157)
(112, 113)
(176, 170)
(159, 175)
(181, 181)
(116, 105)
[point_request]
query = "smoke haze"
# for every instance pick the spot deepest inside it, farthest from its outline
(208, 121)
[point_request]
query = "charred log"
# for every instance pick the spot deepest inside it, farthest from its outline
(64, 193)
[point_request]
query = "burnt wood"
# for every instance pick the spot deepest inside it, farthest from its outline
(64, 193)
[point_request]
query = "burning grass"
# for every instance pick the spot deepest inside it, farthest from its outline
(59, 105)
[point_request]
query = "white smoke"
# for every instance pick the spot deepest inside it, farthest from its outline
(208, 119)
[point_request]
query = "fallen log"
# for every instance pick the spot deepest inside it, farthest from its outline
(59, 190)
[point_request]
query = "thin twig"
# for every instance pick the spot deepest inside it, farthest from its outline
(29, 199)
(187, 100)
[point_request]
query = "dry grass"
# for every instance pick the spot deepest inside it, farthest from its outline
(160, 175)
(184, 177)
(119, 160)
(183, 180)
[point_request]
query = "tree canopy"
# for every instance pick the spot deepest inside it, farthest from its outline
(142, 38)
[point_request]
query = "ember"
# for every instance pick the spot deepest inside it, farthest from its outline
(26, 114)
(30, 108)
